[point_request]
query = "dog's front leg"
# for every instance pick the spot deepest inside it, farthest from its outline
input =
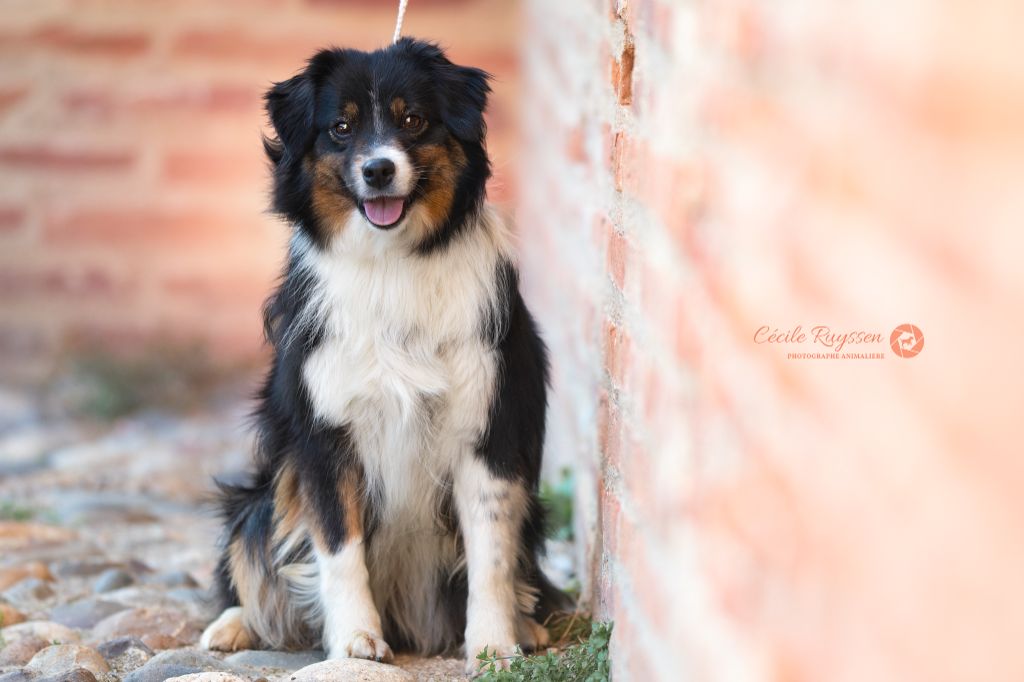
(352, 625)
(491, 512)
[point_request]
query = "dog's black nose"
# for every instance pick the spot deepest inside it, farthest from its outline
(378, 173)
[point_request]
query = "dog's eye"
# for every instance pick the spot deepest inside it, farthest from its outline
(412, 122)
(342, 127)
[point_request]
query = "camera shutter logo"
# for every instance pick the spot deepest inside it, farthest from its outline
(906, 340)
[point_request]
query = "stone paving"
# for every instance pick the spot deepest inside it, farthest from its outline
(107, 547)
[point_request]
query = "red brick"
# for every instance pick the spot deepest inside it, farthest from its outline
(618, 253)
(9, 96)
(622, 72)
(231, 44)
(221, 288)
(58, 282)
(45, 157)
(11, 218)
(93, 41)
(609, 430)
(610, 510)
(209, 168)
(629, 645)
(644, 580)
(618, 348)
(140, 226)
(376, 4)
(575, 145)
(218, 99)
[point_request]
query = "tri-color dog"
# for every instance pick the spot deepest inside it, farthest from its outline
(394, 500)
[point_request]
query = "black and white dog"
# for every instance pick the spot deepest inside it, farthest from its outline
(394, 501)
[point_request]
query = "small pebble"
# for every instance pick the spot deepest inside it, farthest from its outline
(16, 676)
(173, 579)
(13, 575)
(10, 615)
(112, 579)
(21, 650)
(76, 675)
(125, 653)
(28, 590)
(81, 568)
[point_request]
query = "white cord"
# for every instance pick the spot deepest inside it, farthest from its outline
(402, 4)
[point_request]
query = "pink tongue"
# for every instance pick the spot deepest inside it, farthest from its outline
(383, 211)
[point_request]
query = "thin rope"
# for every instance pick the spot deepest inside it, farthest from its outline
(402, 4)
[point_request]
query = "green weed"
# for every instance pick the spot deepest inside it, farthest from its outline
(585, 661)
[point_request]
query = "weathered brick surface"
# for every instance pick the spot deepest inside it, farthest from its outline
(132, 183)
(698, 170)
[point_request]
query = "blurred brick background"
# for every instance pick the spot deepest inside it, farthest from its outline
(689, 173)
(132, 181)
(703, 169)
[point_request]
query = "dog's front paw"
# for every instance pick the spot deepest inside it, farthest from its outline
(500, 654)
(227, 633)
(360, 644)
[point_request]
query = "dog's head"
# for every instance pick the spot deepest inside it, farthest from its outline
(390, 141)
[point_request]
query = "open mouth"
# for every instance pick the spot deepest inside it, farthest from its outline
(384, 212)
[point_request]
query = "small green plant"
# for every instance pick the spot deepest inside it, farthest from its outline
(586, 661)
(566, 628)
(558, 501)
(105, 384)
(12, 511)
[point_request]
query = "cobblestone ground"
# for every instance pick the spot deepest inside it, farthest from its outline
(107, 547)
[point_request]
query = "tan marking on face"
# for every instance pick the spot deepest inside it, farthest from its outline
(443, 163)
(397, 107)
(331, 207)
(350, 111)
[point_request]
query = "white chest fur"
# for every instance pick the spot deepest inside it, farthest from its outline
(402, 364)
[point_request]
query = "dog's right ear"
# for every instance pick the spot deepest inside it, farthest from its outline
(291, 106)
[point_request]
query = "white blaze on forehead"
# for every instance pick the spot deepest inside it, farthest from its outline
(403, 182)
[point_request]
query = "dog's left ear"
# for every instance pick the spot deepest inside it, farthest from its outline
(463, 90)
(464, 100)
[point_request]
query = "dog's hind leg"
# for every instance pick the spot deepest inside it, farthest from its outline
(262, 563)
(228, 632)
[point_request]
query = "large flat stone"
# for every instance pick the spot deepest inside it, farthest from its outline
(208, 677)
(276, 660)
(43, 629)
(62, 657)
(181, 662)
(85, 613)
(351, 670)
(141, 622)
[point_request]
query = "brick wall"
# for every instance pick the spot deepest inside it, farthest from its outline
(694, 171)
(132, 183)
